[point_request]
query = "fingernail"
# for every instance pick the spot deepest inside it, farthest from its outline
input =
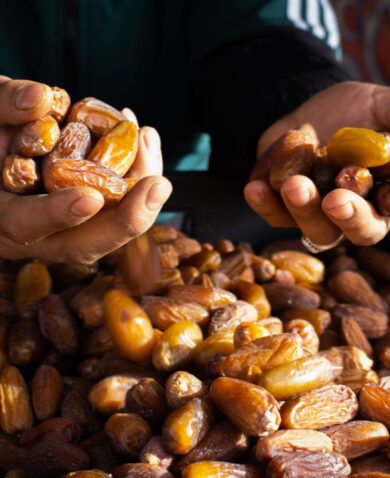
(152, 140)
(299, 196)
(345, 211)
(30, 96)
(157, 195)
(86, 206)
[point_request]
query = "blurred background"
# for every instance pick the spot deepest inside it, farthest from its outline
(365, 32)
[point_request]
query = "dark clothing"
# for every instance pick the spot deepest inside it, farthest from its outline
(209, 75)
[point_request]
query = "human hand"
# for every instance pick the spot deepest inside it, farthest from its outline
(341, 211)
(69, 225)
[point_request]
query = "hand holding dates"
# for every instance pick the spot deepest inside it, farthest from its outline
(64, 226)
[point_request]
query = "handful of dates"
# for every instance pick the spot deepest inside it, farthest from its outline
(218, 362)
(87, 144)
(357, 159)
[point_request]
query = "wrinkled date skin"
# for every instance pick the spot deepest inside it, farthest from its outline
(164, 312)
(74, 142)
(69, 172)
(187, 425)
(25, 343)
(382, 199)
(147, 398)
(250, 407)
(117, 149)
(372, 322)
(306, 331)
(54, 429)
(20, 175)
(253, 294)
(231, 316)
(319, 408)
(36, 138)
(293, 153)
(374, 403)
(181, 387)
(358, 438)
(309, 464)
(264, 353)
(286, 441)
(141, 470)
(97, 115)
(154, 453)
(128, 433)
(210, 297)
(356, 179)
(61, 104)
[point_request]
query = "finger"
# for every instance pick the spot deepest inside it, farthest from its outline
(112, 228)
(6, 134)
(129, 115)
(25, 219)
(23, 100)
(266, 203)
(355, 216)
(149, 156)
(303, 200)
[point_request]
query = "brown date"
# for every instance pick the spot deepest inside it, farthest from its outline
(376, 261)
(97, 115)
(309, 464)
(147, 398)
(232, 315)
(163, 311)
(382, 350)
(185, 247)
(109, 395)
(61, 104)
(224, 442)
(26, 344)
(263, 269)
(74, 142)
(352, 288)
(128, 433)
(356, 378)
(204, 260)
(250, 407)
(187, 425)
(210, 297)
(290, 296)
(68, 172)
(168, 256)
(374, 403)
(224, 246)
(98, 342)
(88, 303)
(306, 331)
(319, 319)
(46, 391)
(58, 325)
(54, 429)
(141, 470)
(353, 335)
(163, 233)
(372, 322)
(286, 441)
(16, 413)
(358, 438)
(75, 406)
(36, 138)
(264, 353)
(20, 174)
(319, 408)
(49, 458)
(382, 199)
(253, 294)
(298, 376)
(248, 332)
(88, 474)
(181, 387)
(33, 283)
(117, 149)
(293, 153)
(221, 469)
(356, 179)
(155, 453)
(12, 456)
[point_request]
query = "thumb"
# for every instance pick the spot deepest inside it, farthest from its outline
(23, 100)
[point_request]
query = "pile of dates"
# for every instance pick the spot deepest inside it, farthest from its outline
(357, 159)
(215, 363)
(88, 144)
